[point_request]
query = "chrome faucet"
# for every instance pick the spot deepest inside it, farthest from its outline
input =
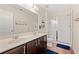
(15, 37)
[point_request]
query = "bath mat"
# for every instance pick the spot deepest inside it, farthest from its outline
(63, 46)
(47, 51)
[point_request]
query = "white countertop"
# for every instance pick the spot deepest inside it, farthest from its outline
(10, 43)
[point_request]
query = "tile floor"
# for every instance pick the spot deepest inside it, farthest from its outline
(59, 50)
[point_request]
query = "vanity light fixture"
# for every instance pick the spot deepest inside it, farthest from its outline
(31, 6)
(35, 7)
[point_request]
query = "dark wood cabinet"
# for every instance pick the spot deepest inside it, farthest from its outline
(41, 44)
(31, 47)
(35, 46)
(45, 41)
(16, 50)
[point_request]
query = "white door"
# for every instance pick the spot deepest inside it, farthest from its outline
(76, 36)
(76, 28)
(64, 29)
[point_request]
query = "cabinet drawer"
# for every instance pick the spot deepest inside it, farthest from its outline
(31, 47)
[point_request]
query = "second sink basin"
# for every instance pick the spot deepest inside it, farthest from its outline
(22, 37)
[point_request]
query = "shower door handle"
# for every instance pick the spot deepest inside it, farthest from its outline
(56, 35)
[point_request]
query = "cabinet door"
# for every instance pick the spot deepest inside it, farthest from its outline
(31, 47)
(41, 44)
(45, 41)
(17, 50)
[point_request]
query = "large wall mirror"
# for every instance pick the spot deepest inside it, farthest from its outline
(6, 23)
(25, 21)
(14, 20)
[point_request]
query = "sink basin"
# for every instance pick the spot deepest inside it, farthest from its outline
(5, 41)
(19, 39)
(22, 37)
(14, 41)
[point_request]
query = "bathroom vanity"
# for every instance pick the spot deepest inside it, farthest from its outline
(36, 46)
(32, 45)
(17, 20)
